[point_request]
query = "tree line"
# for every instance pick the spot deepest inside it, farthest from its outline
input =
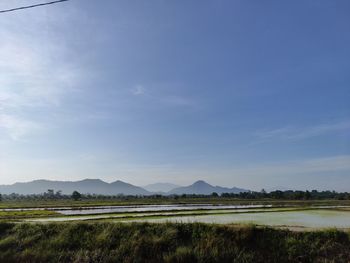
(291, 195)
(50, 194)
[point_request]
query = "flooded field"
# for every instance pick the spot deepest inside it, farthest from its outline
(139, 208)
(305, 218)
(132, 215)
(289, 216)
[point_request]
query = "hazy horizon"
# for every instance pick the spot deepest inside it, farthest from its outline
(235, 93)
(162, 185)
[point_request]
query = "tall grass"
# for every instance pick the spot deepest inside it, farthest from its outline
(145, 242)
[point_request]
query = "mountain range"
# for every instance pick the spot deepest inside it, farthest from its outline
(92, 186)
(203, 188)
(97, 186)
(160, 187)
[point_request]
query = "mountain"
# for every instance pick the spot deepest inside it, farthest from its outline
(160, 187)
(128, 189)
(203, 188)
(96, 186)
(92, 186)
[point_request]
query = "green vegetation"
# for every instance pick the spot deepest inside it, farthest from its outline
(30, 202)
(50, 194)
(108, 242)
(76, 196)
(291, 195)
(26, 214)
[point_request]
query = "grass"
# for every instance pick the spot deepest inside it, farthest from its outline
(26, 214)
(143, 242)
(154, 201)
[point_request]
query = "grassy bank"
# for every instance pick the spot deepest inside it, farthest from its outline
(108, 242)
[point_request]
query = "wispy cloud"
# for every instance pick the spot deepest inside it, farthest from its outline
(17, 128)
(314, 165)
(178, 101)
(321, 173)
(161, 97)
(34, 73)
(299, 133)
(138, 90)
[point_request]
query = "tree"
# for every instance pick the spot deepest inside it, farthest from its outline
(307, 195)
(277, 194)
(214, 194)
(59, 194)
(0, 197)
(76, 195)
(50, 193)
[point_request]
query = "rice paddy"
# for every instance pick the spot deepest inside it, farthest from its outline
(290, 216)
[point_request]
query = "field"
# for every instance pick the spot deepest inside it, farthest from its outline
(292, 214)
(158, 201)
(194, 230)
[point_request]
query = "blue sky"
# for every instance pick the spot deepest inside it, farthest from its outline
(252, 94)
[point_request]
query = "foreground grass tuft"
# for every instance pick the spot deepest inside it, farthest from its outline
(144, 242)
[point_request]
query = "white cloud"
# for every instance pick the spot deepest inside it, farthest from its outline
(34, 72)
(32, 78)
(17, 128)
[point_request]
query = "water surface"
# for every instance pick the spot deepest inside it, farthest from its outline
(137, 208)
(305, 218)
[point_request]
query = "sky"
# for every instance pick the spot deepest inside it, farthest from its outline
(253, 94)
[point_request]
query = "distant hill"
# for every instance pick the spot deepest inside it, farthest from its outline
(160, 187)
(97, 186)
(92, 186)
(201, 187)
